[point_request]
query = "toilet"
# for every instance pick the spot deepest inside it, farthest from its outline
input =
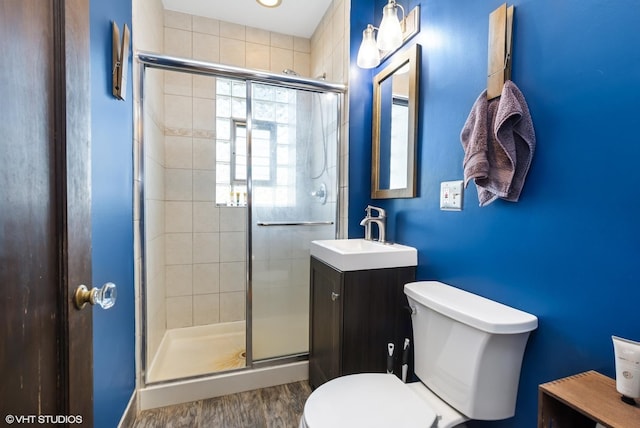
(468, 353)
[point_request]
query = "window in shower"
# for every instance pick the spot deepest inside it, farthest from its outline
(264, 153)
(231, 142)
(272, 144)
(238, 161)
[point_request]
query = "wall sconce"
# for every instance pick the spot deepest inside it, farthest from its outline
(392, 34)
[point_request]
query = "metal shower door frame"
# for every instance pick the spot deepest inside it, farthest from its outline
(172, 63)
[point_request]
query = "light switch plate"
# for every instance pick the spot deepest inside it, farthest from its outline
(451, 195)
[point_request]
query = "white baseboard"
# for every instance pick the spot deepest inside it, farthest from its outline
(130, 413)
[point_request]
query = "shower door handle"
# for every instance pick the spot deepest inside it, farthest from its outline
(334, 296)
(294, 223)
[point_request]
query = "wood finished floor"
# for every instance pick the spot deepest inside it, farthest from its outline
(274, 407)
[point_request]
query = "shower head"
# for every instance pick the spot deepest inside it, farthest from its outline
(323, 76)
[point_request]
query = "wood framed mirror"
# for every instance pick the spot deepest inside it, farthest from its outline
(395, 127)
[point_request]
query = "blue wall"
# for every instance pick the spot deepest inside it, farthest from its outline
(112, 195)
(568, 251)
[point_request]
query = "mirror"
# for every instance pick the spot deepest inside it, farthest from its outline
(395, 130)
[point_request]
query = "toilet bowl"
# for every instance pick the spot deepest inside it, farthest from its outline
(468, 354)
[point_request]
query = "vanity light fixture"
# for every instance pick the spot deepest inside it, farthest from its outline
(368, 54)
(392, 33)
(269, 3)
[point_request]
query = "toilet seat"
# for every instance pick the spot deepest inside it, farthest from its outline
(369, 400)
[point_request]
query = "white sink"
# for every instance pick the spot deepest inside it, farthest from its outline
(359, 254)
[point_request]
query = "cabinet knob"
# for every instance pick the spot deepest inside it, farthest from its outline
(334, 296)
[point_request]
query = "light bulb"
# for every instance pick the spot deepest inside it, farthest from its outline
(390, 32)
(269, 3)
(368, 54)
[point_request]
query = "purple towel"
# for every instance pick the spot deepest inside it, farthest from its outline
(499, 140)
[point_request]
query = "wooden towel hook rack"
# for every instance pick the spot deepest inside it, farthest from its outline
(499, 64)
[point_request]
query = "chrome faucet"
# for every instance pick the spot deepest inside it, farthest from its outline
(380, 220)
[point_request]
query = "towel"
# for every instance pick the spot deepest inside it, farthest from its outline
(475, 136)
(515, 134)
(499, 141)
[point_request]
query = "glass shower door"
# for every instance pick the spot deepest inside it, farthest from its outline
(293, 140)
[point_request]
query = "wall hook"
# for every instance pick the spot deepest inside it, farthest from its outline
(500, 36)
(120, 61)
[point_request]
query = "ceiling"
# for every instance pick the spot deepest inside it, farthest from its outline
(293, 17)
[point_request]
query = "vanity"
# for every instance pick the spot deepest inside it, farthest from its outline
(358, 306)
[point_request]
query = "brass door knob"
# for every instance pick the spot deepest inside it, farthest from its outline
(104, 296)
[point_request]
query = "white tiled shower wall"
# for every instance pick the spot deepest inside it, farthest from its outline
(195, 250)
(330, 55)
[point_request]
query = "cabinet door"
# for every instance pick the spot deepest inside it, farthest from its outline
(375, 314)
(325, 345)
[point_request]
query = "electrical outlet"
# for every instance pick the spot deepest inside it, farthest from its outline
(451, 195)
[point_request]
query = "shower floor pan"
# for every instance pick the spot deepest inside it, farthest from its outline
(193, 351)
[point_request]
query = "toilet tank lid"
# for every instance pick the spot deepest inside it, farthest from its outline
(471, 309)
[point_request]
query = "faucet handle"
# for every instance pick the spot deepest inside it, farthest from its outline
(381, 212)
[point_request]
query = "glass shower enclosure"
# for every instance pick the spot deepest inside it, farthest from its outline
(239, 174)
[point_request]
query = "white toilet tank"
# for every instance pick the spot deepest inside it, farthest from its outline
(468, 349)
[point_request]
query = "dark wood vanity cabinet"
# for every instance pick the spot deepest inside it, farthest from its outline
(353, 316)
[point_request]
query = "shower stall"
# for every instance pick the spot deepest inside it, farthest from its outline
(239, 173)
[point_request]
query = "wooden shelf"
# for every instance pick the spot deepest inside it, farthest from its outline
(581, 401)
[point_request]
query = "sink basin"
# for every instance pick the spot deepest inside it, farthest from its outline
(359, 254)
